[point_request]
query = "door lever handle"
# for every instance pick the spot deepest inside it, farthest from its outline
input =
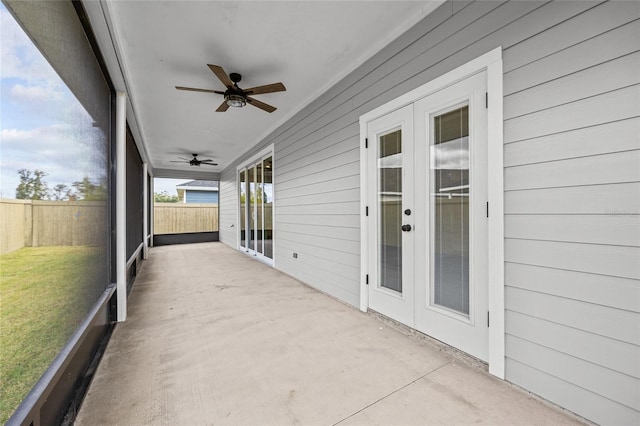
(406, 228)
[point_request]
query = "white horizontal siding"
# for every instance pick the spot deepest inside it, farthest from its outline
(616, 261)
(343, 195)
(617, 105)
(614, 199)
(600, 350)
(617, 167)
(621, 230)
(597, 50)
(572, 205)
(620, 136)
(572, 108)
(336, 232)
(601, 78)
(597, 18)
(605, 290)
(321, 189)
(600, 380)
(322, 209)
(228, 209)
(346, 167)
(597, 319)
(589, 404)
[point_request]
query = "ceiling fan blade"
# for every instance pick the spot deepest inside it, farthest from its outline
(256, 103)
(222, 75)
(193, 89)
(223, 107)
(178, 161)
(209, 164)
(208, 160)
(267, 88)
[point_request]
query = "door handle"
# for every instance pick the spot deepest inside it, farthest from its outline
(406, 228)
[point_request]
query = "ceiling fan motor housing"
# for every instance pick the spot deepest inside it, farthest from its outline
(235, 77)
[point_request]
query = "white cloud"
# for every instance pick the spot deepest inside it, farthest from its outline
(67, 153)
(38, 136)
(35, 93)
(451, 155)
(11, 135)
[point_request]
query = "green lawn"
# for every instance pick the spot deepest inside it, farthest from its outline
(45, 292)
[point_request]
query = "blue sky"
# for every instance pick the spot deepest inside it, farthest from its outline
(42, 124)
(168, 185)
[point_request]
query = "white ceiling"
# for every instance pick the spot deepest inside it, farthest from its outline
(152, 46)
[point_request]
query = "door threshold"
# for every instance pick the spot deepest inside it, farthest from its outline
(438, 344)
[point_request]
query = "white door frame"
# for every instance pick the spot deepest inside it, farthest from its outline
(492, 62)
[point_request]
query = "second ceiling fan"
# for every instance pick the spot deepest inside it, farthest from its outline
(235, 96)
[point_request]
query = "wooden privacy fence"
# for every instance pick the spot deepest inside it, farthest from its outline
(31, 223)
(179, 218)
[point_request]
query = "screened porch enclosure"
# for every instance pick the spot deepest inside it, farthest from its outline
(510, 209)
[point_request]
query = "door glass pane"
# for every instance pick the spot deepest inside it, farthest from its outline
(267, 195)
(390, 211)
(243, 208)
(259, 206)
(449, 209)
(252, 208)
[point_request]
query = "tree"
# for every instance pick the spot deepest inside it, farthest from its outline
(31, 186)
(87, 191)
(256, 195)
(61, 192)
(164, 197)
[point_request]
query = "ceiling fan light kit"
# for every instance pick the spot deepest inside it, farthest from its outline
(236, 101)
(234, 96)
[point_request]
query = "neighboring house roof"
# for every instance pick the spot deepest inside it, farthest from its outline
(199, 185)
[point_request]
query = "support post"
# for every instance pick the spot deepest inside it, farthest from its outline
(121, 205)
(145, 211)
(151, 211)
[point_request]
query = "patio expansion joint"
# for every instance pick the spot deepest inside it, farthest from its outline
(393, 392)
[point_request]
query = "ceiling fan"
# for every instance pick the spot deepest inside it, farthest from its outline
(195, 161)
(235, 96)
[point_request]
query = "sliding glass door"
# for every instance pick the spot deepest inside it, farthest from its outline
(255, 207)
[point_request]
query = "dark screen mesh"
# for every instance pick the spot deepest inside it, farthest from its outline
(135, 196)
(55, 176)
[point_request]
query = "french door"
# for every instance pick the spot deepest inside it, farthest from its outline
(391, 189)
(255, 199)
(427, 192)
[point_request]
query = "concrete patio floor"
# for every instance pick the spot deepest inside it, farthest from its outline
(215, 337)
